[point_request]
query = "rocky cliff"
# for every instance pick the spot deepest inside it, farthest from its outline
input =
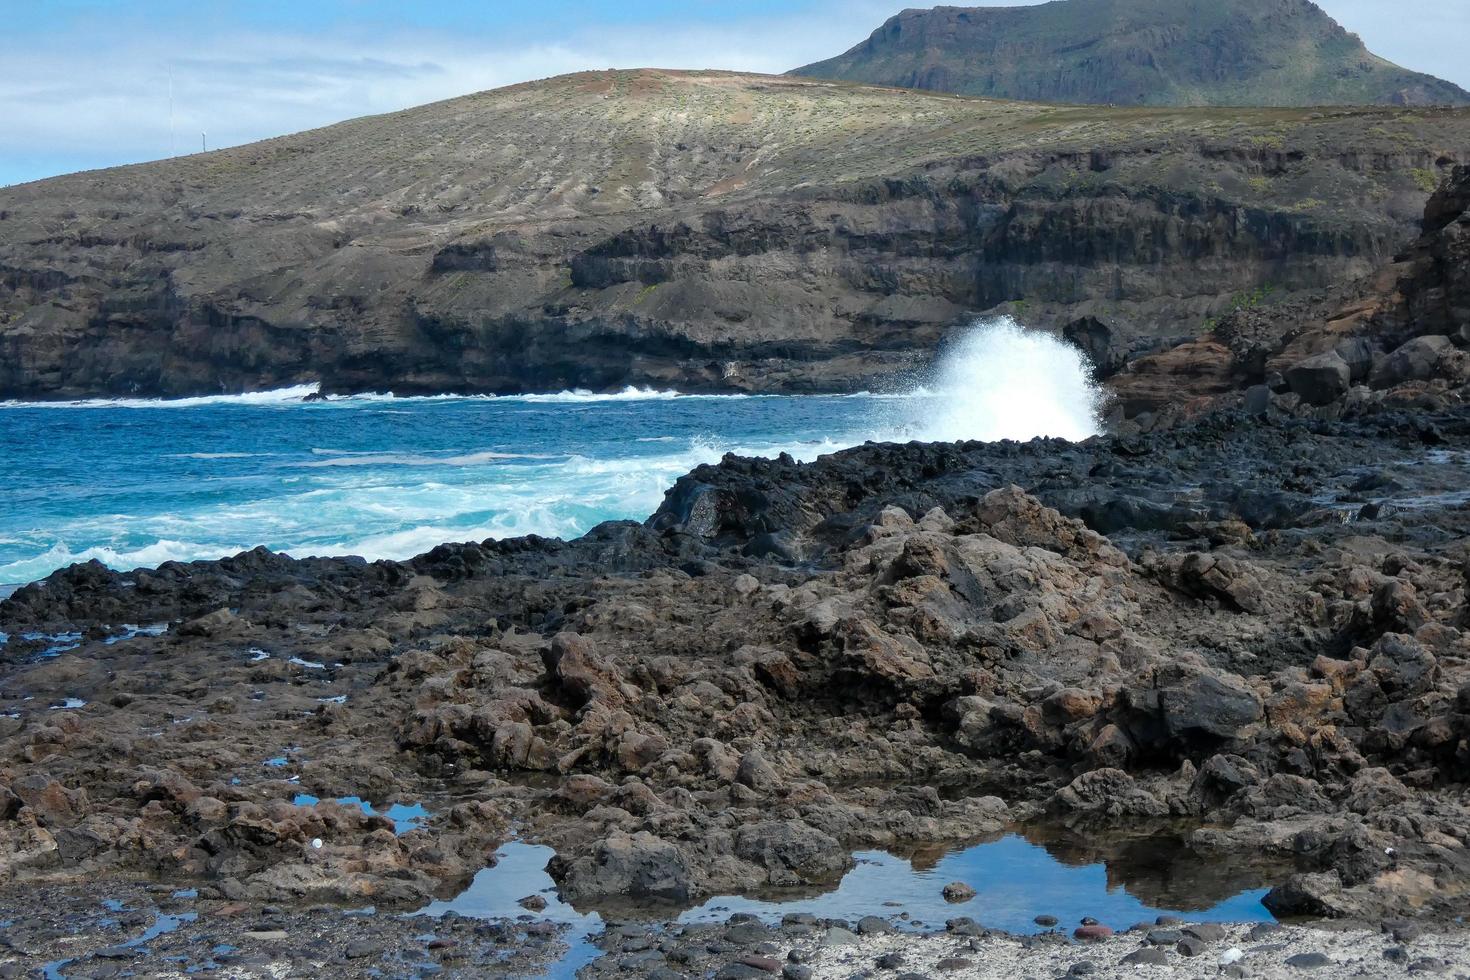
(1137, 52)
(1395, 337)
(694, 230)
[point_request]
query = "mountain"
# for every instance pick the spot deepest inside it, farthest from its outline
(1137, 52)
(706, 231)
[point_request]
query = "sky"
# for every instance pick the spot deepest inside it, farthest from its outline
(86, 83)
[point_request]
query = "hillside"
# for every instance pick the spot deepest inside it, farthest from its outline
(701, 230)
(1137, 52)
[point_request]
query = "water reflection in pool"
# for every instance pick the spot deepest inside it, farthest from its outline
(1120, 883)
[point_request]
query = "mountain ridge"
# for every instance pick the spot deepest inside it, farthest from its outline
(690, 230)
(1136, 52)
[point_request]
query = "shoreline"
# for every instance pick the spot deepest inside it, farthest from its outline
(910, 648)
(176, 933)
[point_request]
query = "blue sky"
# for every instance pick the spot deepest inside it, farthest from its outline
(85, 83)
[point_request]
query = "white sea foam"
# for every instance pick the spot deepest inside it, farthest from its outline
(279, 396)
(338, 460)
(995, 381)
(1000, 381)
(149, 555)
(297, 394)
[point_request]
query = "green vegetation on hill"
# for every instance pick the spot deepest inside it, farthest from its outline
(1137, 52)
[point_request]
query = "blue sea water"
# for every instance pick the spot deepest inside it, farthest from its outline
(139, 483)
(135, 483)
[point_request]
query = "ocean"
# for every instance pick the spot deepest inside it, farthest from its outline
(135, 483)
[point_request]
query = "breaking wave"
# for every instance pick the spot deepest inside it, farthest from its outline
(1001, 381)
(392, 484)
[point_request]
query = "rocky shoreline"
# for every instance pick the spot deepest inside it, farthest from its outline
(1245, 630)
(1237, 624)
(159, 932)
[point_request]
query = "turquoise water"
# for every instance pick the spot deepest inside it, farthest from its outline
(137, 483)
(140, 483)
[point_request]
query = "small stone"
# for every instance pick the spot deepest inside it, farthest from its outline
(1308, 961)
(1205, 932)
(116, 953)
(1046, 921)
(1262, 931)
(1147, 956)
(1163, 937)
(957, 891)
(266, 935)
(953, 964)
(1168, 920)
(765, 963)
(1191, 947)
(1429, 964)
(872, 925)
(1082, 968)
(361, 950)
(740, 971)
(1092, 933)
(837, 936)
(889, 961)
(796, 971)
(533, 903)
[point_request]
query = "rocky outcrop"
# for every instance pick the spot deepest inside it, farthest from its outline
(1396, 337)
(685, 230)
(1237, 627)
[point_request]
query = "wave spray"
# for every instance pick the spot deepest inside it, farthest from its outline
(1001, 381)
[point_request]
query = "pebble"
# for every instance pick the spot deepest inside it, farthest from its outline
(1092, 933)
(958, 891)
(953, 964)
(1205, 932)
(116, 953)
(796, 971)
(1191, 947)
(837, 936)
(361, 950)
(872, 925)
(765, 963)
(1308, 961)
(1045, 921)
(1163, 937)
(1147, 956)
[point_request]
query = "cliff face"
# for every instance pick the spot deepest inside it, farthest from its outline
(1397, 336)
(1136, 52)
(705, 231)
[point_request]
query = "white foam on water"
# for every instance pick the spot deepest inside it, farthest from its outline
(279, 396)
(996, 381)
(1001, 381)
(60, 555)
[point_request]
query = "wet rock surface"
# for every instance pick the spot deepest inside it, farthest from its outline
(135, 929)
(1245, 630)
